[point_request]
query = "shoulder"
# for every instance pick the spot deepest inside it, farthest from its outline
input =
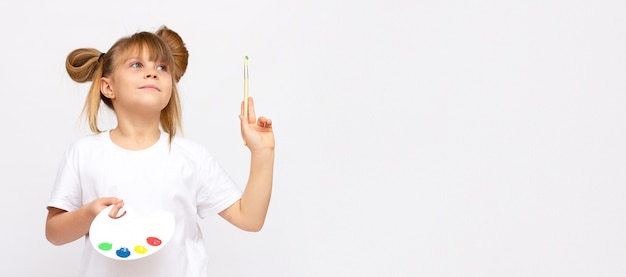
(184, 143)
(84, 149)
(93, 141)
(190, 148)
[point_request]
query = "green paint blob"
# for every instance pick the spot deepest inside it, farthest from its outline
(105, 246)
(246, 58)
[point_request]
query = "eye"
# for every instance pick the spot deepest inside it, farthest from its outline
(135, 65)
(162, 67)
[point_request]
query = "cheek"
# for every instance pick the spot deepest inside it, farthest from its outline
(169, 92)
(166, 84)
(167, 87)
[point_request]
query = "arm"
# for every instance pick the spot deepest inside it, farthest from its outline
(249, 212)
(63, 227)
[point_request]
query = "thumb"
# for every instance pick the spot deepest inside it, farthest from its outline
(245, 128)
(107, 201)
(118, 210)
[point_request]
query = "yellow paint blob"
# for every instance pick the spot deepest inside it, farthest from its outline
(140, 249)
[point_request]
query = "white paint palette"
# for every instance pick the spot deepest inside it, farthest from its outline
(131, 236)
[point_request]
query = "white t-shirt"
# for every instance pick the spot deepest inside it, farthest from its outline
(184, 180)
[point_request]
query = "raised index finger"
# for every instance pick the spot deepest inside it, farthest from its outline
(251, 113)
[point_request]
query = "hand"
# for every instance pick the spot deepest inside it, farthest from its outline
(256, 134)
(96, 206)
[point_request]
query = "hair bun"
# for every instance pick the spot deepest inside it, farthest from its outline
(82, 64)
(179, 50)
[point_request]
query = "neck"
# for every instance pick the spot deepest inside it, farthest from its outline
(133, 135)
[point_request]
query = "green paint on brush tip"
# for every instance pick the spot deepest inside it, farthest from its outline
(246, 58)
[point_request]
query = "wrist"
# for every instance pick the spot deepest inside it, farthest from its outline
(262, 151)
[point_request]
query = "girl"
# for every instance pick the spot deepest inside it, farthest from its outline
(142, 161)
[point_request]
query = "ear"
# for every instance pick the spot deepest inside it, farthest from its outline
(106, 89)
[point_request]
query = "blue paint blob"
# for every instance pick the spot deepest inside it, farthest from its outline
(123, 252)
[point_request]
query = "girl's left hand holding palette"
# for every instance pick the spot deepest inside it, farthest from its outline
(131, 236)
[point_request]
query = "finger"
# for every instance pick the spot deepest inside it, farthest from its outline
(109, 200)
(265, 122)
(244, 126)
(251, 112)
(118, 210)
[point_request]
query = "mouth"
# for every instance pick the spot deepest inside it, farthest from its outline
(150, 87)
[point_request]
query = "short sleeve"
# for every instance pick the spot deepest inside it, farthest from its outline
(216, 190)
(66, 192)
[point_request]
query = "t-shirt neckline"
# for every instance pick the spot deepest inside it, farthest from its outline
(161, 140)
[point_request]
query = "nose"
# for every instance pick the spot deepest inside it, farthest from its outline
(151, 76)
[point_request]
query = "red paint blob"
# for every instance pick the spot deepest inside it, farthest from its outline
(153, 241)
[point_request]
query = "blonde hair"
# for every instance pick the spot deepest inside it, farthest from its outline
(88, 64)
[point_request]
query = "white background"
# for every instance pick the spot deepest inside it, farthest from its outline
(414, 138)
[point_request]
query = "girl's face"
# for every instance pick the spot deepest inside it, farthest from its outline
(138, 85)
